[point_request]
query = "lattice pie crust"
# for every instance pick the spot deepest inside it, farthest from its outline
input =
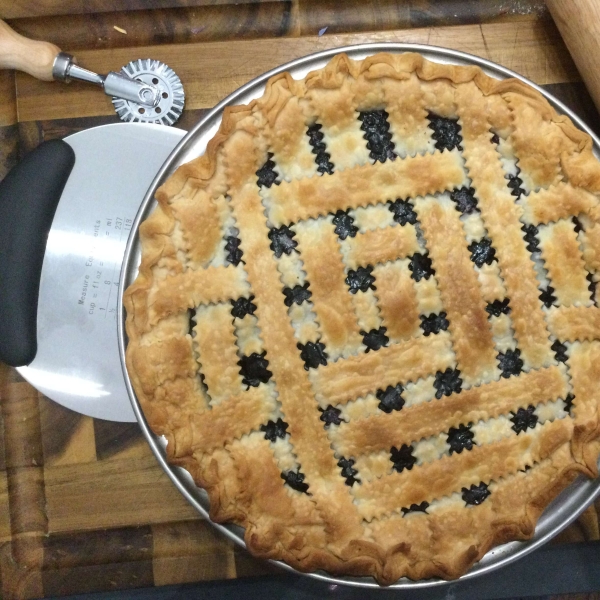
(366, 318)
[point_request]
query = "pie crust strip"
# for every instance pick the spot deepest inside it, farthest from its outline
(560, 201)
(303, 199)
(380, 245)
(397, 300)
(564, 263)
(413, 423)
(307, 435)
(450, 473)
(217, 354)
(189, 289)
(574, 323)
(320, 252)
(231, 419)
(356, 376)
(502, 218)
(459, 288)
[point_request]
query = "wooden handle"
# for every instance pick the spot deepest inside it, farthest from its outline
(579, 24)
(31, 56)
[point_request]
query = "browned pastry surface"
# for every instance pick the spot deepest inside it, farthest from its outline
(365, 319)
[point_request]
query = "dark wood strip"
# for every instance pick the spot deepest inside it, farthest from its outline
(246, 20)
(79, 549)
(18, 581)
(22, 435)
(58, 425)
(97, 578)
(17, 9)
(113, 438)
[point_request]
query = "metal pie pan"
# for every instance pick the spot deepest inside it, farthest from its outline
(560, 512)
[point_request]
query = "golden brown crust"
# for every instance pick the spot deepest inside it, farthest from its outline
(389, 356)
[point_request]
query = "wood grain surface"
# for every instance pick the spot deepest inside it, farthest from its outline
(83, 504)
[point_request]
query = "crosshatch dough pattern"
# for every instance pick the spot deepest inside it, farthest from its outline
(366, 318)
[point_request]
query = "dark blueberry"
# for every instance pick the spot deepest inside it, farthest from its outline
(312, 354)
(361, 279)
(234, 254)
(346, 464)
(267, 176)
(403, 458)
(254, 370)
(297, 294)
(482, 252)
(515, 183)
(476, 494)
(434, 323)
(420, 266)
(460, 438)
(495, 139)
(379, 139)
(547, 296)
(191, 320)
(560, 351)
(375, 338)
(569, 403)
(315, 139)
(282, 240)
(465, 200)
(524, 418)
(243, 307)
(416, 508)
(530, 237)
(510, 363)
(403, 212)
(498, 307)
(296, 481)
(447, 382)
(577, 225)
(344, 225)
(446, 132)
(274, 429)
(330, 416)
(390, 399)
(592, 287)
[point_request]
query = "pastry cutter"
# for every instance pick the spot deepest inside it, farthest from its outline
(145, 90)
(65, 214)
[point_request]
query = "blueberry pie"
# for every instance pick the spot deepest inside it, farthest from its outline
(366, 318)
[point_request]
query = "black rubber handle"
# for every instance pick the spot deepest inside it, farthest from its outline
(29, 195)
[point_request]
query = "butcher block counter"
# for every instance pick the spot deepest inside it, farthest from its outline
(84, 506)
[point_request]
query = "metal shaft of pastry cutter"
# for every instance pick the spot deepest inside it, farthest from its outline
(114, 84)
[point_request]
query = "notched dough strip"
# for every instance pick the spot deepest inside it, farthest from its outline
(229, 420)
(332, 302)
(294, 390)
(451, 473)
(381, 245)
(564, 263)
(398, 304)
(382, 431)
(217, 353)
(358, 375)
(502, 220)
(558, 202)
(187, 290)
(574, 323)
(459, 288)
(363, 185)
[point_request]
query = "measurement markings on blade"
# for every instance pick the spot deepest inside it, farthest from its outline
(103, 265)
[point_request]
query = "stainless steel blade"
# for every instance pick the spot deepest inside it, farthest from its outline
(77, 363)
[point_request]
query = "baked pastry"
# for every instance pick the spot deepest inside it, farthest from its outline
(366, 318)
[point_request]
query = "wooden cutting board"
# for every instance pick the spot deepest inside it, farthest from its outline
(83, 504)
